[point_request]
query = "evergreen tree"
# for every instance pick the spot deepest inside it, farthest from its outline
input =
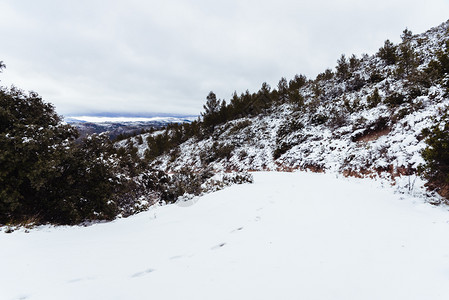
(264, 96)
(436, 156)
(296, 98)
(283, 90)
(211, 110)
(374, 99)
(326, 75)
(47, 175)
(406, 36)
(297, 82)
(388, 53)
(354, 63)
(407, 58)
(342, 68)
(212, 105)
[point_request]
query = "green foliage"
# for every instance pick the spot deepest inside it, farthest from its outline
(395, 99)
(376, 77)
(297, 82)
(157, 145)
(407, 60)
(317, 91)
(186, 181)
(443, 59)
(174, 135)
(354, 63)
(239, 126)
(296, 99)
(438, 68)
(263, 99)
(216, 152)
(211, 111)
(337, 118)
(342, 68)
(436, 155)
(281, 149)
(326, 75)
(353, 106)
(282, 89)
(406, 35)
(374, 99)
(248, 104)
(355, 83)
(291, 125)
(388, 53)
(45, 175)
(319, 119)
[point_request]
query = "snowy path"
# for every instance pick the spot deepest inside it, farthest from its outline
(287, 236)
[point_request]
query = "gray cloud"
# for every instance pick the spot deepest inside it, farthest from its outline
(165, 56)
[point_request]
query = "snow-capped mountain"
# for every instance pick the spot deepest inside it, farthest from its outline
(116, 125)
(129, 120)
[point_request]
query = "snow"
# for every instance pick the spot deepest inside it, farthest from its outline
(352, 141)
(286, 236)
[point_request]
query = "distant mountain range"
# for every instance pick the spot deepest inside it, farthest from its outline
(116, 125)
(129, 119)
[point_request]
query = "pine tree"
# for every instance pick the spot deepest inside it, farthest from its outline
(407, 58)
(374, 99)
(342, 68)
(211, 110)
(264, 97)
(283, 90)
(388, 53)
(436, 156)
(212, 105)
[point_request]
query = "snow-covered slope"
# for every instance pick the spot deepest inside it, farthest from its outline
(337, 129)
(287, 236)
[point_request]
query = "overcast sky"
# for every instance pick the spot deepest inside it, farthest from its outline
(140, 57)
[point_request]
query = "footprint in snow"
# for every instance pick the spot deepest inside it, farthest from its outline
(237, 229)
(75, 280)
(138, 274)
(176, 257)
(218, 246)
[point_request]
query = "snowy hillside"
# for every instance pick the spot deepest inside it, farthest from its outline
(287, 236)
(364, 119)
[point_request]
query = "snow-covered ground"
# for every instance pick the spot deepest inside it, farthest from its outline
(287, 236)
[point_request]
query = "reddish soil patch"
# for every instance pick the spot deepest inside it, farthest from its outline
(372, 135)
